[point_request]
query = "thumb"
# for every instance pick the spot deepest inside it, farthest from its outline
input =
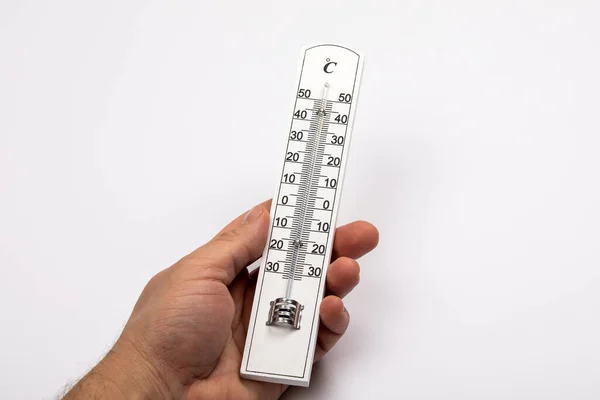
(233, 249)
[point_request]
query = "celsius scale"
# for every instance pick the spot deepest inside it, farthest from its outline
(282, 333)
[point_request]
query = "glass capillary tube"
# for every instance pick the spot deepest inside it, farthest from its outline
(321, 114)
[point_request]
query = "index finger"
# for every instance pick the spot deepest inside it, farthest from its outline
(354, 240)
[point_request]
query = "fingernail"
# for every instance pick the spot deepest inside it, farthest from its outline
(252, 215)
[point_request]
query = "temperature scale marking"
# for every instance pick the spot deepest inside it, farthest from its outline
(283, 326)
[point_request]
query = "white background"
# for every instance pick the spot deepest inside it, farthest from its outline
(130, 132)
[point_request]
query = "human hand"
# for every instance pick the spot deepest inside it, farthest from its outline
(186, 335)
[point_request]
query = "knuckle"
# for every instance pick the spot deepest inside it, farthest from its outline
(238, 249)
(156, 280)
(197, 266)
(227, 236)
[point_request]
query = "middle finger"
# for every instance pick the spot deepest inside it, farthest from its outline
(342, 276)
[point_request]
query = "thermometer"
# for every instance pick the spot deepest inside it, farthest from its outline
(283, 328)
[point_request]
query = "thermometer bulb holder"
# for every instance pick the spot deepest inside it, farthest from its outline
(285, 312)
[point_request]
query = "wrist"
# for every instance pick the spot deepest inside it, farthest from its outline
(137, 374)
(125, 373)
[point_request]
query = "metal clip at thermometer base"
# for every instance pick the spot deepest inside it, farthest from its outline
(283, 327)
(285, 312)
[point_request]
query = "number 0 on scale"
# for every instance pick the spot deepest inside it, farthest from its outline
(284, 323)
